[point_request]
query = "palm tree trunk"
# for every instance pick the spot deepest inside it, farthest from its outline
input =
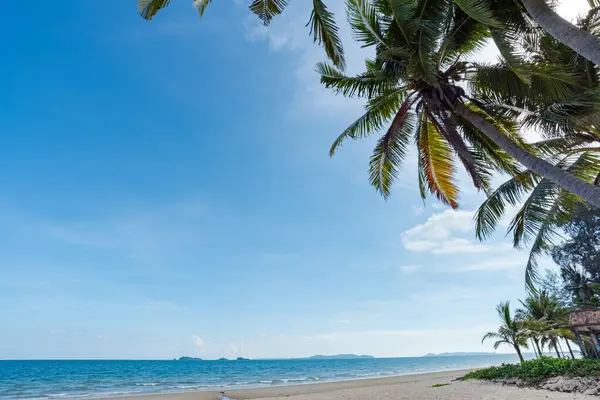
(534, 350)
(555, 345)
(569, 347)
(537, 344)
(582, 42)
(565, 180)
(562, 352)
(518, 349)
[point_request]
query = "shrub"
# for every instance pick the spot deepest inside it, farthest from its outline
(537, 370)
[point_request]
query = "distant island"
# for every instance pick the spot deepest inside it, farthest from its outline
(338, 357)
(458, 354)
(242, 359)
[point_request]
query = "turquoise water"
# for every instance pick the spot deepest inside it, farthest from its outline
(82, 379)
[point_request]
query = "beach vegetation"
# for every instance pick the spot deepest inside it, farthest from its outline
(540, 369)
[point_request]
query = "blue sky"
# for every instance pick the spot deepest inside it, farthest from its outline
(167, 191)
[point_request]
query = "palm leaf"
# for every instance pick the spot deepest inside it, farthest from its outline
(436, 162)
(462, 37)
(365, 23)
(471, 160)
(391, 149)
(490, 212)
(267, 9)
(379, 110)
(480, 11)
(201, 5)
(325, 32)
(367, 84)
(148, 8)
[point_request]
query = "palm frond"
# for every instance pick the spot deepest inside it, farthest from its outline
(391, 150)
(501, 84)
(325, 32)
(490, 212)
(480, 11)
(462, 37)
(201, 5)
(379, 110)
(148, 8)
(473, 161)
(365, 23)
(267, 9)
(403, 12)
(505, 40)
(490, 335)
(436, 162)
(367, 84)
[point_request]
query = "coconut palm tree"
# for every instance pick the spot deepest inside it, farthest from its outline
(545, 321)
(584, 42)
(573, 144)
(322, 22)
(513, 15)
(414, 81)
(511, 332)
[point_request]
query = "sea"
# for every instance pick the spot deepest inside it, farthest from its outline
(90, 379)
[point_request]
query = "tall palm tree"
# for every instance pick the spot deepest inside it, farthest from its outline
(322, 21)
(511, 331)
(584, 42)
(572, 126)
(414, 81)
(543, 210)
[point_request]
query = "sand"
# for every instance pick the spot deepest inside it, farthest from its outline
(413, 387)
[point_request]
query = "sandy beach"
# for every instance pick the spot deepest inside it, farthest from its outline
(413, 387)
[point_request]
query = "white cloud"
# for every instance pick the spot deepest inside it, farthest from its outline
(407, 269)
(437, 235)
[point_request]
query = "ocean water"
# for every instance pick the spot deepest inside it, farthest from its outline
(83, 379)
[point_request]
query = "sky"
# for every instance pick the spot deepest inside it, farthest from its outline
(166, 190)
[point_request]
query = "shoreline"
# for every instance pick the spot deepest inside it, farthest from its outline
(423, 386)
(260, 392)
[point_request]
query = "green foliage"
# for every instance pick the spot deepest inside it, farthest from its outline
(267, 9)
(325, 32)
(421, 47)
(437, 385)
(534, 371)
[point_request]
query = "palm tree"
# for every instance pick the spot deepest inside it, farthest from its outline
(545, 208)
(511, 331)
(414, 81)
(574, 145)
(545, 320)
(322, 22)
(584, 42)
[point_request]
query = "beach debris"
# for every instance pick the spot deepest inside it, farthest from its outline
(440, 385)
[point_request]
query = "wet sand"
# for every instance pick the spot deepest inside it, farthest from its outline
(410, 387)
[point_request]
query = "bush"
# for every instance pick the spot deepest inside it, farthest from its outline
(534, 371)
